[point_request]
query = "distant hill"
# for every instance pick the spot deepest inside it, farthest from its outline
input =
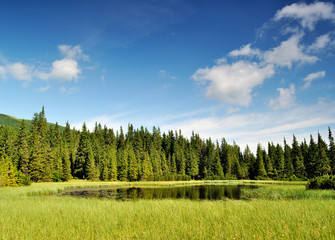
(15, 123)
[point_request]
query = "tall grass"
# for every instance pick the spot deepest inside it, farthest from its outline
(286, 193)
(51, 217)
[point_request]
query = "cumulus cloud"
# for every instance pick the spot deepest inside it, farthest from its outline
(312, 76)
(20, 71)
(286, 98)
(245, 51)
(307, 15)
(320, 43)
(233, 83)
(68, 51)
(66, 69)
(288, 52)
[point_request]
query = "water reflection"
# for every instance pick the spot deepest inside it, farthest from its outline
(202, 192)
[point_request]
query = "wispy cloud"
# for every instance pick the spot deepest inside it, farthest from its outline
(68, 90)
(44, 89)
(312, 76)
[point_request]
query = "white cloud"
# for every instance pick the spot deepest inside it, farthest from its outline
(320, 43)
(19, 71)
(288, 52)
(312, 76)
(44, 89)
(70, 52)
(245, 51)
(65, 70)
(221, 61)
(2, 72)
(307, 15)
(286, 98)
(233, 83)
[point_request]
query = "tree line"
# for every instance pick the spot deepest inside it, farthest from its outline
(45, 153)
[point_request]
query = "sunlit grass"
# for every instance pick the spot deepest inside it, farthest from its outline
(51, 217)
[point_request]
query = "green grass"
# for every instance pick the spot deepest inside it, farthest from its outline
(51, 217)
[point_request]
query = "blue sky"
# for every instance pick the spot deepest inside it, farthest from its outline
(249, 71)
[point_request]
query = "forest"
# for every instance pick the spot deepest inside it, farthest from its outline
(46, 153)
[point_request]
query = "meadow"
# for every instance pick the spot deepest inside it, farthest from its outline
(275, 211)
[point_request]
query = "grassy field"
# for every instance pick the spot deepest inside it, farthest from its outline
(294, 214)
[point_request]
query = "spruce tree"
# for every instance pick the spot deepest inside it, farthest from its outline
(132, 167)
(260, 169)
(112, 163)
(331, 151)
(298, 160)
(322, 164)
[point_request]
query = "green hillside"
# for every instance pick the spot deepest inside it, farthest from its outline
(14, 123)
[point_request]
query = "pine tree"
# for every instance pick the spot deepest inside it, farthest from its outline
(311, 159)
(331, 151)
(146, 166)
(112, 163)
(193, 169)
(23, 149)
(322, 164)
(132, 167)
(91, 170)
(66, 164)
(298, 160)
(122, 160)
(82, 154)
(260, 169)
(280, 161)
(289, 170)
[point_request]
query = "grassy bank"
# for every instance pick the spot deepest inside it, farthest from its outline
(50, 217)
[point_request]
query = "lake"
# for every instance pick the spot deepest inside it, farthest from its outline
(197, 192)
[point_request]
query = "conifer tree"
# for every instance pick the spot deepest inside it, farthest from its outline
(311, 159)
(112, 163)
(91, 170)
(23, 149)
(82, 154)
(193, 169)
(66, 164)
(122, 160)
(289, 170)
(331, 152)
(322, 166)
(132, 167)
(260, 169)
(297, 158)
(146, 166)
(280, 161)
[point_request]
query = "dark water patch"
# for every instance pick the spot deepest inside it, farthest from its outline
(200, 192)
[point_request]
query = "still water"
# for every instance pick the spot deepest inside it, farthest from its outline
(201, 192)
